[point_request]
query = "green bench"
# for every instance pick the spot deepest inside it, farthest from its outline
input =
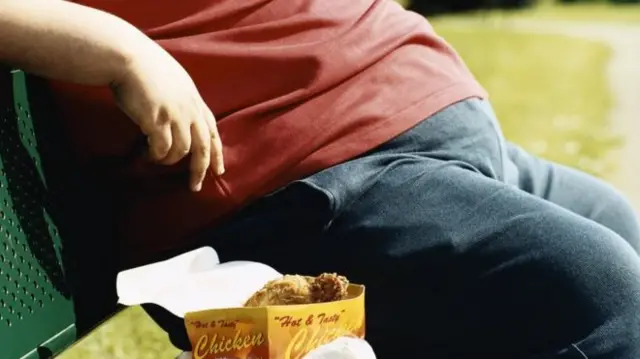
(57, 275)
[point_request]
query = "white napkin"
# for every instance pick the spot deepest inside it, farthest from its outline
(341, 348)
(192, 282)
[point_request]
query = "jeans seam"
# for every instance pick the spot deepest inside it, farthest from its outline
(502, 150)
(584, 355)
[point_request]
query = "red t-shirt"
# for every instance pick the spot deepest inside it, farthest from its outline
(296, 85)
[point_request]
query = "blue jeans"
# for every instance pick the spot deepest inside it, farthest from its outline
(468, 245)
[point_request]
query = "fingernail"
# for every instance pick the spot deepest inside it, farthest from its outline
(220, 170)
(197, 187)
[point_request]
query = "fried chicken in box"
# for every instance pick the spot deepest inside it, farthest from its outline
(297, 289)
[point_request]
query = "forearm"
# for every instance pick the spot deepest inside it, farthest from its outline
(66, 41)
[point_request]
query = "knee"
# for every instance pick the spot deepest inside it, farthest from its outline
(604, 268)
(592, 280)
(617, 213)
(584, 252)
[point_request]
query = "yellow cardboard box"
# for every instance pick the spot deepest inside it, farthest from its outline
(275, 332)
(207, 294)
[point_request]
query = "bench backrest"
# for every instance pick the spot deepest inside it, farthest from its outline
(49, 292)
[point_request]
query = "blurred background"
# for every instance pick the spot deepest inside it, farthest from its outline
(563, 76)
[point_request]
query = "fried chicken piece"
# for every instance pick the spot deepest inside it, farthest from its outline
(290, 289)
(329, 287)
(296, 289)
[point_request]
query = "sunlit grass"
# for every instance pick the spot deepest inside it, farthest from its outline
(130, 335)
(550, 92)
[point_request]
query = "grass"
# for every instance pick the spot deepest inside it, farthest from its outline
(603, 11)
(550, 94)
(129, 335)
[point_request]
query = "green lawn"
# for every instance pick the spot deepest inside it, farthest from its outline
(130, 335)
(550, 94)
(587, 12)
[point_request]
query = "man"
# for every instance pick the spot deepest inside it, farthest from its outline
(349, 137)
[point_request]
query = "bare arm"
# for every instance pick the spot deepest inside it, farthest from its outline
(66, 41)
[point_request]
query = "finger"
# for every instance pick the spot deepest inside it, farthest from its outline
(217, 161)
(200, 154)
(159, 141)
(180, 144)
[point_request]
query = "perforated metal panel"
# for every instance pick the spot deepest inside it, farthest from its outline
(36, 313)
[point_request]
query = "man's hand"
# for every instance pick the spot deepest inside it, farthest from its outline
(160, 97)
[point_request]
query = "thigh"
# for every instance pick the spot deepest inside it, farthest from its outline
(459, 264)
(576, 191)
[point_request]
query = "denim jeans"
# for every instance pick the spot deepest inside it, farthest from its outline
(468, 246)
